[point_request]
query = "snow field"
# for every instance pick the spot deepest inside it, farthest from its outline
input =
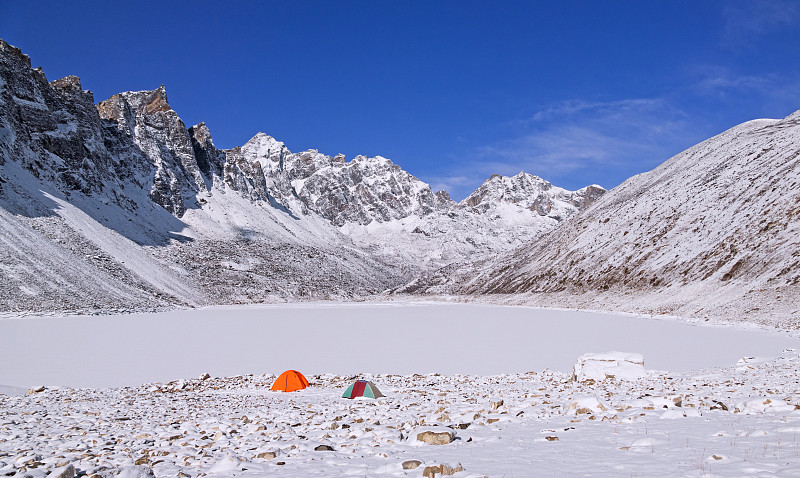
(741, 418)
(391, 337)
(737, 421)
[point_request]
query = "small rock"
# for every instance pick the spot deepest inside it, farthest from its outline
(411, 464)
(497, 404)
(267, 455)
(551, 438)
(436, 438)
(323, 448)
(205, 376)
(443, 470)
(33, 390)
(719, 406)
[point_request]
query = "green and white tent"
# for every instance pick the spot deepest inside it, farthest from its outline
(362, 388)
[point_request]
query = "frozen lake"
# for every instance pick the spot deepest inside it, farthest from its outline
(350, 338)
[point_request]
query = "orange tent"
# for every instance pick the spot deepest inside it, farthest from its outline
(290, 381)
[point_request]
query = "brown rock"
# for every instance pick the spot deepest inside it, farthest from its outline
(323, 448)
(411, 464)
(436, 438)
(497, 404)
(551, 438)
(267, 455)
(442, 470)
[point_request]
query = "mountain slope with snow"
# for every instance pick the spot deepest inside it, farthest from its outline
(714, 231)
(120, 206)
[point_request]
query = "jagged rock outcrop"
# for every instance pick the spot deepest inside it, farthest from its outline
(356, 192)
(52, 129)
(210, 161)
(147, 118)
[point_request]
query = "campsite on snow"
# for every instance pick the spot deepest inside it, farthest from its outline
(173, 308)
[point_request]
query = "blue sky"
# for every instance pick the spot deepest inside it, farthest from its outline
(575, 92)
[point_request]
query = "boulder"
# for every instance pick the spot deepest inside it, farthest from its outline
(63, 472)
(610, 365)
(140, 471)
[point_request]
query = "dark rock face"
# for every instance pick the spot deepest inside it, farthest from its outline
(210, 161)
(147, 118)
(52, 129)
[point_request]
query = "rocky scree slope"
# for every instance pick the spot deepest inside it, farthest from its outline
(120, 206)
(712, 232)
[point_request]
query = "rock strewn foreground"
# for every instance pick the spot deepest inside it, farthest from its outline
(737, 421)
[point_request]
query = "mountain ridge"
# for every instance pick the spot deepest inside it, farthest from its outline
(124, 191)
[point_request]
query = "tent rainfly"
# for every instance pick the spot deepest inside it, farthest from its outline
(362, 388)
(290, 381)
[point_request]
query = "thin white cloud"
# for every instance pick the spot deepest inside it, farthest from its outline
(577, 142)
(577, 106)
(572, 136)
(775, 92)
(746, 20)
(449, 183)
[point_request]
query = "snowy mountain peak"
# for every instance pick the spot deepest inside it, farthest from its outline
(531, 192)
(265, 149)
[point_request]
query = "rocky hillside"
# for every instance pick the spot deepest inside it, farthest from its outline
(714, 231)
(120, 206)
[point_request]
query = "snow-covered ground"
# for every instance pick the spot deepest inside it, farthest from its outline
(713, 409)
(351, 338)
